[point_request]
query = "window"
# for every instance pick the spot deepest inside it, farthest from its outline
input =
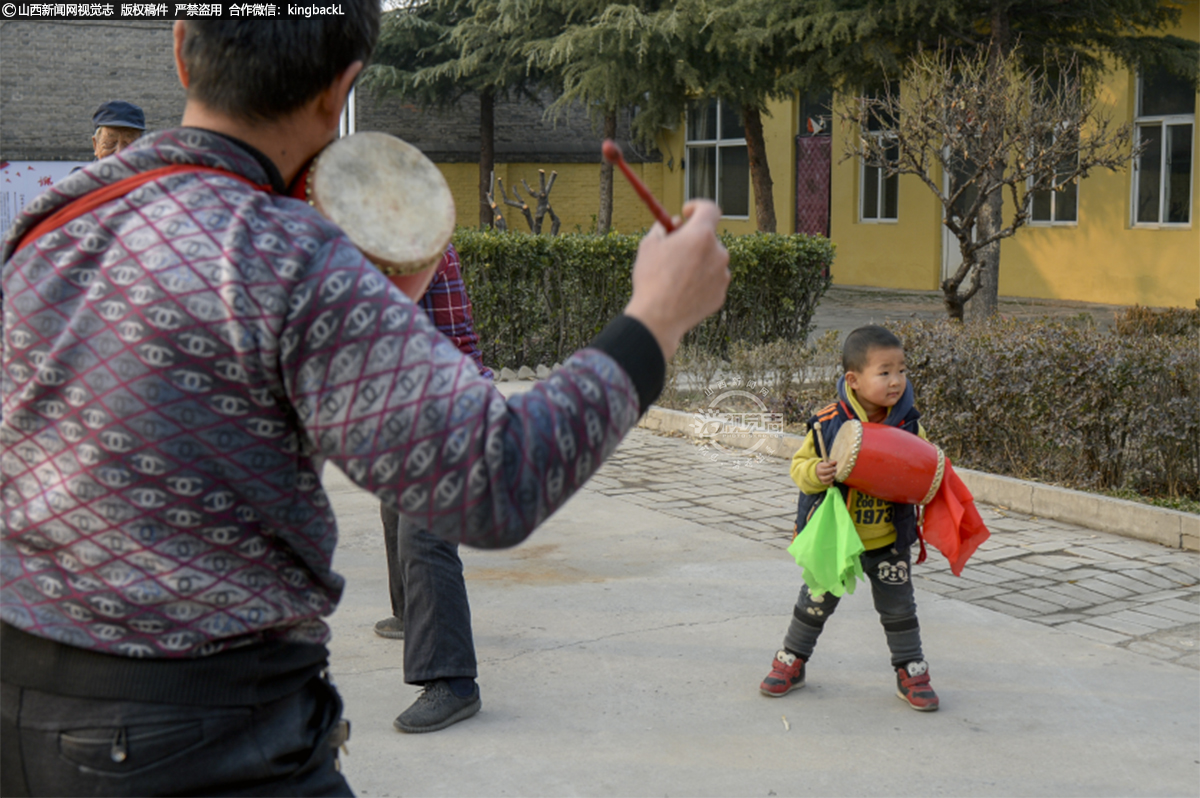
(1060, 203)
(718, 164)
(880, 194)
(1057, 199)
(1162, 183)
(816, 114)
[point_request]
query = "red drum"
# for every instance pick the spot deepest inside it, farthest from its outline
(390, 200)
(887, 462)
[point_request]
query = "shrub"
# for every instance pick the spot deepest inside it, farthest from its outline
(1061, 403)
(537, 298)
(792, 380)
(1137, 320)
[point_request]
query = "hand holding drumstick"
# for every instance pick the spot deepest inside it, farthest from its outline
(682, 269)
(826, 469)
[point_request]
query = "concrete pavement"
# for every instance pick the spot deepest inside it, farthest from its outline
(621, 648)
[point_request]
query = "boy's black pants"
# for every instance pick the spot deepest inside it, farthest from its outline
(890, 572)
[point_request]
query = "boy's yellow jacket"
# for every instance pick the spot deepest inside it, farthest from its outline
(872, 517)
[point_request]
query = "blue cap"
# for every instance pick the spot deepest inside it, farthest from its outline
(118, 113)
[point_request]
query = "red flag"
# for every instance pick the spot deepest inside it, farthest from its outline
(952, 524)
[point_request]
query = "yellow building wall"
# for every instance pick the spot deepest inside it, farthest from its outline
(901, 254)
(1103, 258)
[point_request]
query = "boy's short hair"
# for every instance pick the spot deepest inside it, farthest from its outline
(858, 346)
(261, 70)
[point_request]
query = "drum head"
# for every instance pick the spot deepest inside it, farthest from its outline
(846, 447)
(389, 199)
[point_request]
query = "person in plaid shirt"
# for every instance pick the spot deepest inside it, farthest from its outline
(439, 653)
(447, 304)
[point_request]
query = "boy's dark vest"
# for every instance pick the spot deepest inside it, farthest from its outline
(832, 417)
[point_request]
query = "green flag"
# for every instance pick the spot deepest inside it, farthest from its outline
(829, 548)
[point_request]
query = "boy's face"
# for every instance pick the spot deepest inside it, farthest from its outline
(881, 382)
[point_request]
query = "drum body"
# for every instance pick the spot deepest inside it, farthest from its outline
(887, 462)
(391, 201)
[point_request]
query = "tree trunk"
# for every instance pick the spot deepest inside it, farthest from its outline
(604, 218)
(982, 306)
(760, 172)
(487, 155)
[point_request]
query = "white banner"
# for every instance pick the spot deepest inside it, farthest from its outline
(21, 181)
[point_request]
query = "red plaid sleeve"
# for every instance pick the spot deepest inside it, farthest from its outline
(447, 304)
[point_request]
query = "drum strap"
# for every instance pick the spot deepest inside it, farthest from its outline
(86, 203)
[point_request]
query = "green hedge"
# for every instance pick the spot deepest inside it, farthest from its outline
(539, 298)
(1059, 402)
(1062, 403)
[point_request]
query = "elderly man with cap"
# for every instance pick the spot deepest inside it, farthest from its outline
(118, 124)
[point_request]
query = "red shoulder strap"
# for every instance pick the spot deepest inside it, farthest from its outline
(94, 199)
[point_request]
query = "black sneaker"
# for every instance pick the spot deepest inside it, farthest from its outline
(437, 708)
(392, 628)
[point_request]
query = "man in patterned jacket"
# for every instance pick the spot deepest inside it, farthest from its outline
(180, 359)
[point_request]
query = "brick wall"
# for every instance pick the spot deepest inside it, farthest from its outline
(522, 134)
(53, 76)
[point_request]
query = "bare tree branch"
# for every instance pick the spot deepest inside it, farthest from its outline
(974, 130)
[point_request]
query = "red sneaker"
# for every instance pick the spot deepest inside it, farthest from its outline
(787, 674)
(912, 685)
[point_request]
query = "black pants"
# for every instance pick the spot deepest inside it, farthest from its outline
(888, 570)
(425, 579)
(64, 746)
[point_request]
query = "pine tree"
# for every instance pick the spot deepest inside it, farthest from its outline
(611, 58)
(436, 52)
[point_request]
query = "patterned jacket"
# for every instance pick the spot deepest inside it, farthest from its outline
(177, 366)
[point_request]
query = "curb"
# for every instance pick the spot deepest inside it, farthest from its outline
(1171, 528)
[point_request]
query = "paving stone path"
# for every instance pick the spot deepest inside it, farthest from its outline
(1119, 591)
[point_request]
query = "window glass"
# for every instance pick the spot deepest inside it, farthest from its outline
(734, 193)
(891, 187)
(870, 198)
(1043, 206)
(1066, 202)
(702, 121)
(1164, 94)
(702, 173)
(1179, 173)
(731, 122)
(1148, 173)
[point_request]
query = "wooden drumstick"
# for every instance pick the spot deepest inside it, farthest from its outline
(612, 154)
(820, 440)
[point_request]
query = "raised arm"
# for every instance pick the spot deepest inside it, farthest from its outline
(407, 416)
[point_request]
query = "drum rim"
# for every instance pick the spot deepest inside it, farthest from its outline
(844, 469)
(937, 477)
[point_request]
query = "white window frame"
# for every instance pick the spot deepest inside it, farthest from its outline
(1161, 121)
(717, 144)
(881, 180)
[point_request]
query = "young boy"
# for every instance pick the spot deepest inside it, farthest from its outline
(874, 388)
